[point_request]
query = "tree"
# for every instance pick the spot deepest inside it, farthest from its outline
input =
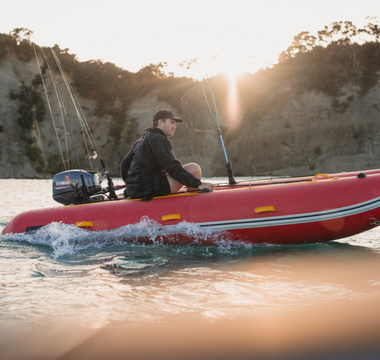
(303, 42)
(372, 29)
(21, 35)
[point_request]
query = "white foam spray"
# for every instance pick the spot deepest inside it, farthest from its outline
(68, 240)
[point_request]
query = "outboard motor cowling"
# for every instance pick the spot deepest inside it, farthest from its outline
(67, 186)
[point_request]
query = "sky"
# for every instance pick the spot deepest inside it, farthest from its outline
(224, 36)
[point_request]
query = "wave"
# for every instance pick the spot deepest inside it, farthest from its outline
(68, 239)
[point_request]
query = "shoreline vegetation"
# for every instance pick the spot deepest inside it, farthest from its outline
(338, 56)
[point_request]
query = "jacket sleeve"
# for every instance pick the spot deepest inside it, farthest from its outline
(163, 151)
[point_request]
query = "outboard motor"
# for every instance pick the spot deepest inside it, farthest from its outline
(67, 186)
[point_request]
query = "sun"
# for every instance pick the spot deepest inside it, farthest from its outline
(233, 63)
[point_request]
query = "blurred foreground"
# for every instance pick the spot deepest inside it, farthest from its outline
(340, 331)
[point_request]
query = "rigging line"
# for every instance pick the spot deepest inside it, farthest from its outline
(50, 110)
(64, 111)
(59, 104)
(82, 118)
(81, 122)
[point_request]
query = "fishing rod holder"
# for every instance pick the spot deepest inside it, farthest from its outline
(230, 173)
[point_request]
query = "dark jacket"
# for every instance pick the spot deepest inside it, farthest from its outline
(147, 159)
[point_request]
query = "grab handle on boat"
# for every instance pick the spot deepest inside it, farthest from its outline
(171, 217)
(315, 177)
(374, 221)
(84, 224)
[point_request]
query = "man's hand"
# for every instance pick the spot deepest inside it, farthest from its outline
(206, 185)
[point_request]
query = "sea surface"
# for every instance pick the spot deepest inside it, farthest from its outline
(62, 273)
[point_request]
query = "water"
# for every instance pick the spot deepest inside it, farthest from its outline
(62, 273)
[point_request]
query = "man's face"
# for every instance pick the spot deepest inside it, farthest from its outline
(168, 126)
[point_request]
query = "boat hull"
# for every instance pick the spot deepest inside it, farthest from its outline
(299, 212)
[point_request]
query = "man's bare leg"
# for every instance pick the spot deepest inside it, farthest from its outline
(193, 169)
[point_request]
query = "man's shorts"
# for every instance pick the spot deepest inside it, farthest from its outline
(164, 186)
(163, 189)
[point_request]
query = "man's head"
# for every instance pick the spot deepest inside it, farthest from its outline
(166, 121)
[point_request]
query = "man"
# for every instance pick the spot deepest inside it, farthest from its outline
(151, 169)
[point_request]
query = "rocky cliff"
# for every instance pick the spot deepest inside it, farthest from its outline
(303, 134)
(307, 135)
(47, 136)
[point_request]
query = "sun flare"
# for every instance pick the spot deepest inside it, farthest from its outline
(233, 104)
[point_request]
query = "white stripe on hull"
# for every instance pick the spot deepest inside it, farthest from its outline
(293, 219)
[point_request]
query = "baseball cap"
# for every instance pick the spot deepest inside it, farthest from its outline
(165, 114)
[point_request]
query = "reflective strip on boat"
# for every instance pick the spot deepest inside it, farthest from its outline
(294, 219)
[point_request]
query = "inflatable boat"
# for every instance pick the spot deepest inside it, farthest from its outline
(280, 211)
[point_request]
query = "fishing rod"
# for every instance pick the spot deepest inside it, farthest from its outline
(228, 164)
(84, 124)
(85, 130)
(63, 111)
(50, 110)
(200, 111)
